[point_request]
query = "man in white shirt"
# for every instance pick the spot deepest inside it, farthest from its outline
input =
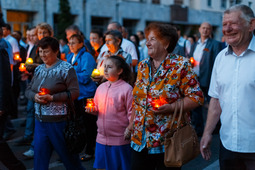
(33, 41)
(142, 43)
(182, 42)
(7, 36)
(126, 45)
(232, 90)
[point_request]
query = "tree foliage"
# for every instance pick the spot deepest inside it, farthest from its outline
(65, 18)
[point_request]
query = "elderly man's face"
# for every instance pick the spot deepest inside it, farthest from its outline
(69, 33)
(235, 29)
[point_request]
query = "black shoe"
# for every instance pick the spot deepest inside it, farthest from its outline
(23, 124)
(24, 141)
(9, 134)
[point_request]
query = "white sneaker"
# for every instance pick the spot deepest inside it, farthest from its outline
(29, 154)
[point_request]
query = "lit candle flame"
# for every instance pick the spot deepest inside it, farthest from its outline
(17, 57)
(43, 91)
(95, 73)
(22, 67)
(90, 103)
(156, 103)
(192, 60)
(29, 61)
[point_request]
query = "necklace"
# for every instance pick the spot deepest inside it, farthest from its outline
(153, 68)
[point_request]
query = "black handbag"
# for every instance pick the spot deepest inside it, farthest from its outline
(74, 132)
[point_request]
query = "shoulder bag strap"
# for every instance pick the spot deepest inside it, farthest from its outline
(174, 115)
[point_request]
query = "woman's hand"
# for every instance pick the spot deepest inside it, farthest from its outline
(25, 75)
(43, 99)
(97, 79)
(90, 109)
(165, 109)
(127, 133)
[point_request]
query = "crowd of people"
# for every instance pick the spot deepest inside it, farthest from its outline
(141, 80)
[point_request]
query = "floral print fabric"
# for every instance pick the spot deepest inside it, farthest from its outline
(173, 80)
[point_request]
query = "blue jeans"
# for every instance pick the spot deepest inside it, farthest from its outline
(49, 136)
(30, 123)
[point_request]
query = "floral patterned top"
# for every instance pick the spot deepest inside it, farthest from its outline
(174, 79)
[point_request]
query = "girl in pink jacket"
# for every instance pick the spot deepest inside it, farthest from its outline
(113, 105)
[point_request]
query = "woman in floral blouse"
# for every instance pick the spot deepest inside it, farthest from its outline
(163, 78)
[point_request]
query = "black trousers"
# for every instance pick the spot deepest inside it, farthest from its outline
(90, 125)
(236, 161)
(6, 155)
(143, 160)
(197, 117)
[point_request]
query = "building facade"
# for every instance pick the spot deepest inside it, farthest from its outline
(133, 14)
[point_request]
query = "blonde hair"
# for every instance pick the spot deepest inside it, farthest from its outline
(45, 26)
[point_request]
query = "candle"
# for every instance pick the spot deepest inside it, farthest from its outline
(22, 67)
(43, 91)
(95, 73)
(17, 57)
(192, 60)
(90, 103)
(29, 61)
(157, 102)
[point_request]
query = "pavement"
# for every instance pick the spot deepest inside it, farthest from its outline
(197, 164)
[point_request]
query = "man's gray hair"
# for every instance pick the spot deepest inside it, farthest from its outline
(117, 24)
(246, 12)
(73, 28)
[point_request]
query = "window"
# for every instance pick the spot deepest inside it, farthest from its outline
(130, 25)
(209, 3)
(133, 0)
(223, 4)
(155, 1)
(178, 2)
(19, 21)
(99, 23)
(249, 4)
(238, 1)
(234, 2)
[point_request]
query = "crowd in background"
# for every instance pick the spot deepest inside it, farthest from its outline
(131, 77)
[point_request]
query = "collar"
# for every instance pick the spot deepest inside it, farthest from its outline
(250, 47)
(8, 36)
(117, 53)
(80, 53)
(165, 63)
(200, 42)
(115, 84)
